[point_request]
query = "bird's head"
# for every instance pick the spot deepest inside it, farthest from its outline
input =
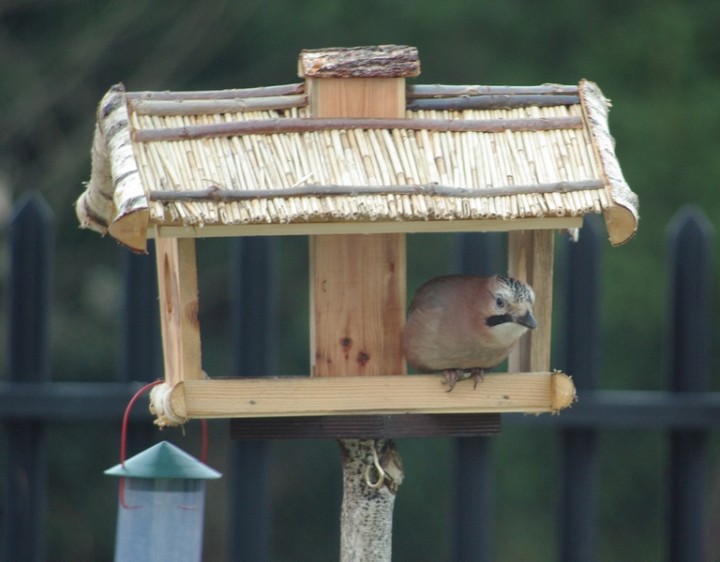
(511, 305)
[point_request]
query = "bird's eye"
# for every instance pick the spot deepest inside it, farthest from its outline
(499, 302)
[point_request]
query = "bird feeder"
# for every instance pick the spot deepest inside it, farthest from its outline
(354, 158)
(162, 505)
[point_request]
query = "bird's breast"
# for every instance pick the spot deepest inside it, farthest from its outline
(432, 346)
(507, 334)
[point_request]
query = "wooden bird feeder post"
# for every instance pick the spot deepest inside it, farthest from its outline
(358, 287)
(354, 158)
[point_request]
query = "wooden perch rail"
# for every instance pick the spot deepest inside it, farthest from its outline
(358, 395)
(310, 124)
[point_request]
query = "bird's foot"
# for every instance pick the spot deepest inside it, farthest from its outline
(452, 376)
(477, 375)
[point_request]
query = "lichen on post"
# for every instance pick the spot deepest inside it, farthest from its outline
(373, 472)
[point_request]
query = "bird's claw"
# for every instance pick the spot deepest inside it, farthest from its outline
(477, 375)
(452, 376)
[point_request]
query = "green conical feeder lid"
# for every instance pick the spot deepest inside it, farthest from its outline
(164, 460)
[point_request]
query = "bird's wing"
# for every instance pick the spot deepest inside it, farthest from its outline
(433, 294)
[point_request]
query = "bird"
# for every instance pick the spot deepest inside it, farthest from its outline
(462, 325)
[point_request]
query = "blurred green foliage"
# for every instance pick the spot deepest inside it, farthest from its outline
(658, 61)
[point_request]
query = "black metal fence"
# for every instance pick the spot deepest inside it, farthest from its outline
(687, 411)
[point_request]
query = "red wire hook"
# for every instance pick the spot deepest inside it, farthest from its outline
(123, 438)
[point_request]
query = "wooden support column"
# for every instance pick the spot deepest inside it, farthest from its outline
(358, 285)
(530, 259)
(357, 304)
(179, 307)
(357, 281)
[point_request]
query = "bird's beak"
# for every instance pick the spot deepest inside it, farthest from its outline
(527, 320)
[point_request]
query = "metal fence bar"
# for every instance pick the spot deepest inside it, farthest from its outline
(140, 358)
(578, 502)
(635, 409)
(28, 398)
(473, 509)
(31, 241)
(254, 349)
(70, 402)
(690, 237)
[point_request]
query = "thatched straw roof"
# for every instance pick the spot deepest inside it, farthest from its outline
(226, 162)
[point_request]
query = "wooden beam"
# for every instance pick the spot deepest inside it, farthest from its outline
(357, 282)
(363, 227)
(310, 125)
(439, 91)
(215, 106)
(230, 94)
(490, 102)
(215, 193)
(378, 395)
(531, 256)
(179, 307)
(357, 304)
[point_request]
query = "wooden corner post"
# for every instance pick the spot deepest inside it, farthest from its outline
(179, 308)
(530, 259)
(358, 288)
